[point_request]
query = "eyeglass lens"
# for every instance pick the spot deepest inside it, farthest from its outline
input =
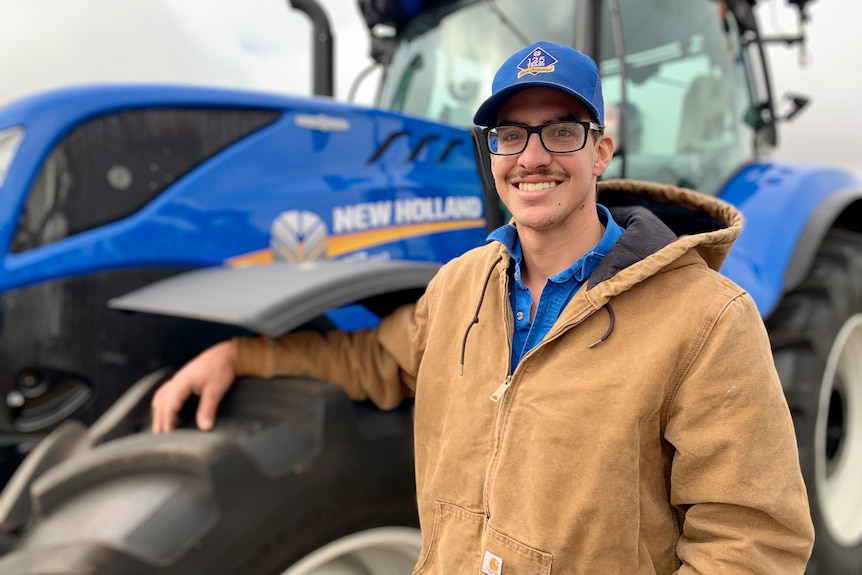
(556, 137)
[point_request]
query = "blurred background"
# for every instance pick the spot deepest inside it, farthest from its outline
(264, 45)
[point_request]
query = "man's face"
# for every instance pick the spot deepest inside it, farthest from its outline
(544, 190)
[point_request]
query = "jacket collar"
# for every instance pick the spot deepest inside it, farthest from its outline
(665, 227)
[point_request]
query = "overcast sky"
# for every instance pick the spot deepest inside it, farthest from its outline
(829, 130)
(255, 44)
(264, 44)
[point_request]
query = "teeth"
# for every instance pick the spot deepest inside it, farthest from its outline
(523, 186)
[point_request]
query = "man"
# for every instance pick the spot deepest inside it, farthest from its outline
(591, 395)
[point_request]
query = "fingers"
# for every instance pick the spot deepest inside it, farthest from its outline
(167, 402)
(208, 375)
(211, 396)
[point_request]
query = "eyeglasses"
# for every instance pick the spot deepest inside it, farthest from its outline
(556, 137)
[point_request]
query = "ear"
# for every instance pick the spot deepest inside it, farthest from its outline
(604, 154)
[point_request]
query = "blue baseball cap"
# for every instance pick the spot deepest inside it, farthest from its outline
(549, 65)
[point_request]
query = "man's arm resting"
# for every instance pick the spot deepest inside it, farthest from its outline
(355, 361)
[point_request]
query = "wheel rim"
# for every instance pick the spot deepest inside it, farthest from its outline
(837, 442)
(382, 551)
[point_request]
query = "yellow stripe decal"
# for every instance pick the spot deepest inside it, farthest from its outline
(346, 243)
(257, 258)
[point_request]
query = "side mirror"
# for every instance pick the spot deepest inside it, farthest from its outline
(798, 102)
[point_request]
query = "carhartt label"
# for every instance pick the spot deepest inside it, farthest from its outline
(491, 564)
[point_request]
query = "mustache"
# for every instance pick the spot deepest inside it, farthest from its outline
(543, 172)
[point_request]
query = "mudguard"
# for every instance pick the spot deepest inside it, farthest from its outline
(273, 299)
(787, 211)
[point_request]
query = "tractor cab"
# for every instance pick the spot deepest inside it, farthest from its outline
(683, 88)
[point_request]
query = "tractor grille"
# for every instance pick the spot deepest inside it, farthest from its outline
(110, 167)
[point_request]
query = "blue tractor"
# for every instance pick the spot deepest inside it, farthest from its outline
(133, 220)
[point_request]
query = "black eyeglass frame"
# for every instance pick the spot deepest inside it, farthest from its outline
(588, 127)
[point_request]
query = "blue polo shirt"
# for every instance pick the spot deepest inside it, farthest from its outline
(558, 290)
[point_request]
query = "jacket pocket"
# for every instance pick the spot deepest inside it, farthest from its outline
(451, 548)
(462, 543)
(511, 557)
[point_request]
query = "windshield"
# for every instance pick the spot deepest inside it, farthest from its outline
(446, 58)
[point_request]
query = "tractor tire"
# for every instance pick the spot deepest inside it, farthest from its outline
(816, 336)
(296, 479)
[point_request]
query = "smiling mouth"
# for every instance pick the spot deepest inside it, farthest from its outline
(528, 187)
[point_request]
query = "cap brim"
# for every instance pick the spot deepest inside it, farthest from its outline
(487, 113)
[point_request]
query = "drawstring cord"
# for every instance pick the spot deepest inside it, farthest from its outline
(608, 307)
(475, 319)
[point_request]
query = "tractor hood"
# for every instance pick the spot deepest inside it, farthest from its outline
(108, 177)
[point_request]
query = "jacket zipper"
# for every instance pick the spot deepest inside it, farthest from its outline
(500, 391)
(504, 387)
(510, 333)
(499, 394)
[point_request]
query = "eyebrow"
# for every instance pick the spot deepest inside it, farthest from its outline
(565, 118)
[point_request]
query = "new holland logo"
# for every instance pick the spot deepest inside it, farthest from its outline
(298, 236)
(365, 230)
(537, 62)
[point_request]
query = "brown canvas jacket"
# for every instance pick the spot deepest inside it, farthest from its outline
(647, 433)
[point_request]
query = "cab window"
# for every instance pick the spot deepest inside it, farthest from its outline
(685, 94)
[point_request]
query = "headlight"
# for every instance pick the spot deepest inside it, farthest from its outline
(9, 140)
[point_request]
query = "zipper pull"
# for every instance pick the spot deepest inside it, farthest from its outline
(500, 391)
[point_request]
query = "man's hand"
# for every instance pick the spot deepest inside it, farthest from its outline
(209, 375)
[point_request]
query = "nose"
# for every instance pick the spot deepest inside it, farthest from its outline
(535, 154)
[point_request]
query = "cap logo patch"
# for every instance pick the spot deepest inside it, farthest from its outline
(538, 61)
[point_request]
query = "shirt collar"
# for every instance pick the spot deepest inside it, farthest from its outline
(583, 267)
